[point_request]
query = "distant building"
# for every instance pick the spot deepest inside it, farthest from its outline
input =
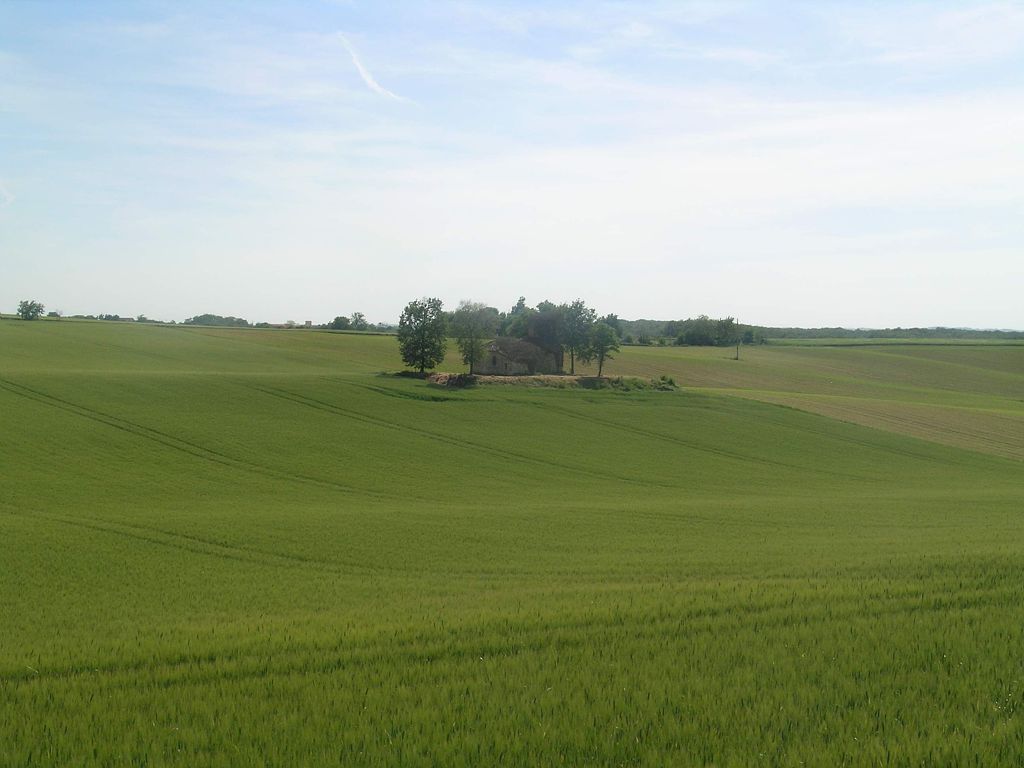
(518, 357)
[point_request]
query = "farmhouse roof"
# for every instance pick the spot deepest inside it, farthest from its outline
(520, 350)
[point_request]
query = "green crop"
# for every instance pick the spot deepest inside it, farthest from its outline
(236, 547)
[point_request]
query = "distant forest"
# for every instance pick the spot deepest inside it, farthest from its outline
(703, 330)
(889, 333)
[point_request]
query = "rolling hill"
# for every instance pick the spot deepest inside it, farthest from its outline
(229, 547)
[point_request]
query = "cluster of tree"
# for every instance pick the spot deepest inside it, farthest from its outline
(694, 331)
(117, 318)
(703, 331)
(575, 328)
(30, 309)
(355, 323)
(231, 322)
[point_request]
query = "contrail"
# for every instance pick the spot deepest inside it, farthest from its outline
(364, 73)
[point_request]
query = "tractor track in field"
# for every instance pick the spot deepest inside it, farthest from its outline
(202, 546)
(185, 446)
(255, 555)
(747, 460)
(425, 398)
(696, 446)
(492, 640)
(262, 557)
(337, 410)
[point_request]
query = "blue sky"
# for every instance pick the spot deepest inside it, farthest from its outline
(856, 163)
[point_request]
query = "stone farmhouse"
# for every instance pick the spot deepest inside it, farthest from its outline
(518, 357)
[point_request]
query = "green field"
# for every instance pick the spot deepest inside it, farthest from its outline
(236, 547)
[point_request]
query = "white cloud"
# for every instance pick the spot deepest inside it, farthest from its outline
(364, 73)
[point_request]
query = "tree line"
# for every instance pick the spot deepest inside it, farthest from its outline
(706, 331)
(548, 323)
(573, 328)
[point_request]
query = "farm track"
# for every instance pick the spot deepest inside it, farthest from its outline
(201, 546)
(132, 351)
(184, 446)
(263, 557)
(337, 410)
(506, 639)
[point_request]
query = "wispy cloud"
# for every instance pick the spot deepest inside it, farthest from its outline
(368, 78)
(943, 36)
(6, 198)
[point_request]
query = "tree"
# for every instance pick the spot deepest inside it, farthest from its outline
(472, 324)
(602, 341)
(421, 333)
(726, 332)
(358, 322)
(698, 332)
(614, 321)
(545, 327)
(30, 310)
(578, 319)
(517, 320)
(340, 323)
(203, 320)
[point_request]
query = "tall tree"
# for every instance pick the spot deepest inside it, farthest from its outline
(545, 327)
(726, 332)
(601, 343)
(577, 320)
(517, 319)
(30, 309)
(699, 331)
(340, 323)
(358, 322)
(421, 333)
(614, 321)
(472, 324)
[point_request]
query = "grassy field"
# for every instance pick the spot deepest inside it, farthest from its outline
(233, 547)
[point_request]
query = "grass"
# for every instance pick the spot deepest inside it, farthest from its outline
(231, 547)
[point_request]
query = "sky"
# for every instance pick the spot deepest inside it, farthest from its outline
(856, 164)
